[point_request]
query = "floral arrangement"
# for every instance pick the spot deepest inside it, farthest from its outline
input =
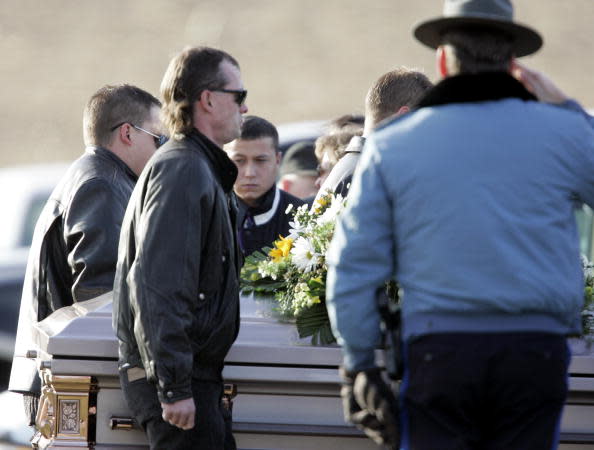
(588, 311)
(294, 270)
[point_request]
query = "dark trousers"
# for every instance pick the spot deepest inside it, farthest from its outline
(484, 391)
(212, 425)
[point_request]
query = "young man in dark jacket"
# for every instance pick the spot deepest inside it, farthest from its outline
(176, 293)
(74, 250)
(263, 207)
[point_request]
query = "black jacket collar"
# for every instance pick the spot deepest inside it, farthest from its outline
(264, 203)
(481, 87)
(224, 168)
(108, 154)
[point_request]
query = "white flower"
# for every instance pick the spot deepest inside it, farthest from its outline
(304, 255)
(295, 229)
(332, 212)
(588, 269)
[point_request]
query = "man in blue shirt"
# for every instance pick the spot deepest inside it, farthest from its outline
(468, 202)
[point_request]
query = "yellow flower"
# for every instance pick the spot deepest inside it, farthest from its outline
(276, 254)
(282, 249)
(321, 202)
(285, 244)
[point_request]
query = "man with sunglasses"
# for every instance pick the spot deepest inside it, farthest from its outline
(74, 251)
(176, 291)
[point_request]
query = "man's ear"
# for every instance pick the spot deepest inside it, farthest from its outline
(205, 100)
(124, 134)
(441, 59)
(513, 66)
(279, 157)
(402, 110)
(284, 184)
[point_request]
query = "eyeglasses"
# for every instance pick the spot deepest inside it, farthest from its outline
(240, 94)
(159, 138)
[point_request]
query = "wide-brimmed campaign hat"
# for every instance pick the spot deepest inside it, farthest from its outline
(497, 14)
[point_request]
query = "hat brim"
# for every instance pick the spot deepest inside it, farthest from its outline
(526, 40)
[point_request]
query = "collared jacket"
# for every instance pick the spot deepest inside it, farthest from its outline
(176, 292)
(469, 203)
(261, 225)
(74, 250)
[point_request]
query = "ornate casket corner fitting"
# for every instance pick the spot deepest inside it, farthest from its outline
(66, 413)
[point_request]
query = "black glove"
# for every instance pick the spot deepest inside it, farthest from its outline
(369, 404)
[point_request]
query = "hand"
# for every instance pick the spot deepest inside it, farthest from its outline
(180, 414)
(538, 84)
(369, 404)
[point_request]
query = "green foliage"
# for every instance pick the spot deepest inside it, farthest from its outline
(252, 281)
(588, 310)
(314, 322)
(317, 287)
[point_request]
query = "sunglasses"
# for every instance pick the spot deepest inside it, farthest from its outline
(158, 138)
(240, 94)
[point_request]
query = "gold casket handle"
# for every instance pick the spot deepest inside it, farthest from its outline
(122, 423)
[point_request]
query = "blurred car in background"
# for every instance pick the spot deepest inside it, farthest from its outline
(23, 193)
(293, 132)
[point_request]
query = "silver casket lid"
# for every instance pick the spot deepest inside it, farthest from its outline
(85, 329)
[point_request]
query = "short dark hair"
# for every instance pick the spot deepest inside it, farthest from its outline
(254, 127)
(112, 105)
(300, 159)
(475, 49)
(191, 72)
(393, 90)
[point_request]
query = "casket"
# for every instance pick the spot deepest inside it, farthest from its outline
(287, 391)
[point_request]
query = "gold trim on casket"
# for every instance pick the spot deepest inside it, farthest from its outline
(67, 407)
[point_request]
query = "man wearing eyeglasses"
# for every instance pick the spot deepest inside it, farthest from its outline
(176, 292)
(74, 250)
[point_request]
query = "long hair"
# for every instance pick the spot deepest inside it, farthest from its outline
(191, 72)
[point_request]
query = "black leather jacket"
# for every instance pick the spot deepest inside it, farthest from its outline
(176, 292)
(74, 250)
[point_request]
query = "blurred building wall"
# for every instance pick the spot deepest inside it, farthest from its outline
(301, 59)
